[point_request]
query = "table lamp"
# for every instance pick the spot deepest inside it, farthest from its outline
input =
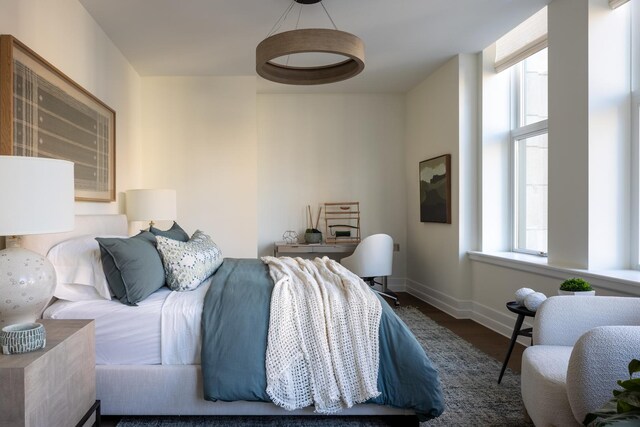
(151, 205)
(37, 197)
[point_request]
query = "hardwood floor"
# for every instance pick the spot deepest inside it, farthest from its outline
(488, 341)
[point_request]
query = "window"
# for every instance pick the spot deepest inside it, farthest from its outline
(635, 200)
(635, 130)
(530, 154)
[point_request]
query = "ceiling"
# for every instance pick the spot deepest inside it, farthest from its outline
(405, 40)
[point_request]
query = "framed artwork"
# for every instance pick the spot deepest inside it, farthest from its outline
(435, 189)
(43, 113)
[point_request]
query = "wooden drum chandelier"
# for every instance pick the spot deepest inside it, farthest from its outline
(312, 40)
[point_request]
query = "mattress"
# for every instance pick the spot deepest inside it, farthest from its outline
(162, 329)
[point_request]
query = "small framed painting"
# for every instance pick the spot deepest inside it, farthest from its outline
(435, 189)
(43, 113)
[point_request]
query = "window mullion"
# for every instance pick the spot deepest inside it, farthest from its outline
(531, 130)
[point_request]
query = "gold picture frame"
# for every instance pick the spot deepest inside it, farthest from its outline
(43, 113)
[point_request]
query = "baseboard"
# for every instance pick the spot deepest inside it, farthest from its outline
(498, 321)
(397, 284)
(460, 309)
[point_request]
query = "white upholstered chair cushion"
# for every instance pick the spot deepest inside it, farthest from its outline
(561, 320)
(373, 257)
(544, 371)
(590, 339)
(600, 358)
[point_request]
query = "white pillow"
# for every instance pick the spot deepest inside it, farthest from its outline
(79, 271)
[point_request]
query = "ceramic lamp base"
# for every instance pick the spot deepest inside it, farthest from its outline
(27, 282)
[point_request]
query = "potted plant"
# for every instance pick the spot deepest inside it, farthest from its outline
(624, 408)
(312, 234)
(576, 286)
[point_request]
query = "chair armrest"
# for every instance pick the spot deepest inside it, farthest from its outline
(600, 358)
(561, 320)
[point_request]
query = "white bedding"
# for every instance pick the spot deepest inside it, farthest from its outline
(181, 326)
(162, 329)
(143, 386)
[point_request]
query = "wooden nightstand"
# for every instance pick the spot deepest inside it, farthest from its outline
(53, 386)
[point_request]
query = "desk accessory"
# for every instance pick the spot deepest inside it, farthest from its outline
(312, 234)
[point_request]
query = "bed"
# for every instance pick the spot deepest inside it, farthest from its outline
(140, 373)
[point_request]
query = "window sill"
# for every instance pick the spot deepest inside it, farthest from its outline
(619, 281)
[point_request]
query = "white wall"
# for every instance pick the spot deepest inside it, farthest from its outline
(589, 134)
(494, 152)
(442, 119)
(64, 33)
(609, 135)
(322, 148)
(200, 139)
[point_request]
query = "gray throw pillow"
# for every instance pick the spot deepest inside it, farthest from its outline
(187, 264)
(132, 266)
(175, 232)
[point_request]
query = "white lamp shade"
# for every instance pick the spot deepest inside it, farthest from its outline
(37, 195)
(151, 205)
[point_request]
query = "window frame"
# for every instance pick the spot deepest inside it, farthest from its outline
(635, 180)
(635, 135)
(517, 133)
(525, 132)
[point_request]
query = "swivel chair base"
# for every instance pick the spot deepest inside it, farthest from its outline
(384, 292)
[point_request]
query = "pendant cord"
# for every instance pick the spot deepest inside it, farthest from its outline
(297, 23)
(282, 18)
(330, 19)
(299, 14)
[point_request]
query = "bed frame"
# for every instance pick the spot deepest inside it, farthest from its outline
(170, 389)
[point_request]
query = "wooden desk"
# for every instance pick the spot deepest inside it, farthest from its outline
(335, 251)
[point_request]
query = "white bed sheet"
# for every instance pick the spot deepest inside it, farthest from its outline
(181, 326)
(125, 335)
(162, 329)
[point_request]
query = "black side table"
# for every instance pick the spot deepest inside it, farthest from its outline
(527, 332)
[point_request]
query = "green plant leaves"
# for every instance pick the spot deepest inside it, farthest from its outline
(624, 409)
(575, 285)
(630, 385)
(621, 420)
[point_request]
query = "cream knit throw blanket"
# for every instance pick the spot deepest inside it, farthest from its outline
(322, 344)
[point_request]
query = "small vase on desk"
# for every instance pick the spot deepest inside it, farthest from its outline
(313, 237)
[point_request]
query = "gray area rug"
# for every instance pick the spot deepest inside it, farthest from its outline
(469, 382)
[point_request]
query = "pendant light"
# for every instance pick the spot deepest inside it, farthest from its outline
(311, 40)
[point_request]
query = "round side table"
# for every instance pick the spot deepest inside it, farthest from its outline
(521, 311)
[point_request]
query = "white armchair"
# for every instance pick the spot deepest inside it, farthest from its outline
(582, 345)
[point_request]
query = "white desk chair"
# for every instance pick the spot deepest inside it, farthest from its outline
(373, 258)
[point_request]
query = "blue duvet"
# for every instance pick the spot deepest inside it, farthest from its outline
(235, 323)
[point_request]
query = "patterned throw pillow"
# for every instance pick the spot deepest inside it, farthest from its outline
(187, 264)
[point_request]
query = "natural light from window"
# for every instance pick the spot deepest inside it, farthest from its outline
(530, 154)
